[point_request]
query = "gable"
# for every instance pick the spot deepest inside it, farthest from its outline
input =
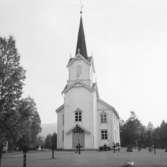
(78, 126)
(102, 105)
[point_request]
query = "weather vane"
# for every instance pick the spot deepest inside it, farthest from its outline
(81, 7)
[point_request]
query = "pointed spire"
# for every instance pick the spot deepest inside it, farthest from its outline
(81, 44)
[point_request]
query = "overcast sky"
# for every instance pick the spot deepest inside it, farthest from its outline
(127, 38)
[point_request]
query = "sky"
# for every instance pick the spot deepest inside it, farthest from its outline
(127, 39)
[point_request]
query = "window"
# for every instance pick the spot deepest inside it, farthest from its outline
(103, 117)
(78, 116)
(104, 135)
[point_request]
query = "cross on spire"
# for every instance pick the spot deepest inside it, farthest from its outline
(81, 10)
(81, 44)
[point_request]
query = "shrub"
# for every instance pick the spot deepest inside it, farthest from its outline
(129, 149)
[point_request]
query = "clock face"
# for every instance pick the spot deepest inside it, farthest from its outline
(79, 71)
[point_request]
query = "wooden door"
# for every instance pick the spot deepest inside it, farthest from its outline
(78, 138)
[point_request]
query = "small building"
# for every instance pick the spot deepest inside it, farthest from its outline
(85, 118)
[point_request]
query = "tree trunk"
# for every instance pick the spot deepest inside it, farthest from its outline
(53, 156)
(0, 157)
(1, 152)
(24, 159)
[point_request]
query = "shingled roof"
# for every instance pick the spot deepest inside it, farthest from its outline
(81, 44)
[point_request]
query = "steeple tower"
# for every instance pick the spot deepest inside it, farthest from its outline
(84, 118)
(81, 44)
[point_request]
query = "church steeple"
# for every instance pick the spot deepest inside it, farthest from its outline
(81, 44)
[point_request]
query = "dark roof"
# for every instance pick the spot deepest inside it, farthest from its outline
(81, 44)
(60, 108)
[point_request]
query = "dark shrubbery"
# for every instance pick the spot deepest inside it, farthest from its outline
(166, 149)
(104, 148)
(133, 132)
(129, 148)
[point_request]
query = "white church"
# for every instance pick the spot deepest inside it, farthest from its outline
(85, 118)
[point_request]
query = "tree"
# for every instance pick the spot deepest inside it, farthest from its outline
(19, 119)
(148, 135)
(48, 141)
(51, 142)
(12, 76)
(131, 131)
(40, 142)
(29, 126)
(54, 144)
(162, 132)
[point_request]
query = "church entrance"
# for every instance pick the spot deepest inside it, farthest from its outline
(78, 137)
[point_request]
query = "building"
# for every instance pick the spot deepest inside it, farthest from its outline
(85, 118)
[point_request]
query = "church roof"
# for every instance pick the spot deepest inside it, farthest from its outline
(81, 44)
(109, 106)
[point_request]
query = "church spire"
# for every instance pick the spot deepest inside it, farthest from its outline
(81, 44)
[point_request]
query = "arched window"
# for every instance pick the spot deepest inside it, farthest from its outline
(78, 116)
(103, 117)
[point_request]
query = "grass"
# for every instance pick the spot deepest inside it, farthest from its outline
(87, 159)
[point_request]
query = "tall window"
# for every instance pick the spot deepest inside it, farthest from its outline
(78, 116)
(104, 134)
(103, 117)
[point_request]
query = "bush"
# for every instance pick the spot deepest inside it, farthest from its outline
(150, 149)
(139, 148)
(104, 148)
(166, 149)
(129, 149)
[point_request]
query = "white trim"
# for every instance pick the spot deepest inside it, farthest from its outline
(77, 58)
(77, 85)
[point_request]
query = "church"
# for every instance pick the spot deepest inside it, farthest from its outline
(84, 118)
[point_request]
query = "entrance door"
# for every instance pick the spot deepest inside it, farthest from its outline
(78, 137)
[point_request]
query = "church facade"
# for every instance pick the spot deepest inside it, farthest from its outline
(85, 118)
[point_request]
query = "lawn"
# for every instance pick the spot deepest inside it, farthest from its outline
(87, 159)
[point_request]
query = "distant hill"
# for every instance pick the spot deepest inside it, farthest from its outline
(48, 129)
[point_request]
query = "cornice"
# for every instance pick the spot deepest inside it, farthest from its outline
(77, 58)
(78, 85)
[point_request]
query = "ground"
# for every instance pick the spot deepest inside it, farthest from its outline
(87, 159)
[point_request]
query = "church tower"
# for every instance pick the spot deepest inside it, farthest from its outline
(79, 116)
(81, 68)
